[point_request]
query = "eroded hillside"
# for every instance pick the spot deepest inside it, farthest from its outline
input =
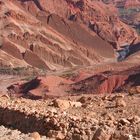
(56, 34)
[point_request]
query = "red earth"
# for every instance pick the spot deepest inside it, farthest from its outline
(58, 34)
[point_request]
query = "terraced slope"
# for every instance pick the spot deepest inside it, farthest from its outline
(56, 34)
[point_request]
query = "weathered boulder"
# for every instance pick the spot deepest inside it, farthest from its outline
(103, 133)
(35, 136)
(65, 104)
(120, 103)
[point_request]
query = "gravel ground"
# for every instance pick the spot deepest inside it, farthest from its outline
(96, 118)
(10, 134)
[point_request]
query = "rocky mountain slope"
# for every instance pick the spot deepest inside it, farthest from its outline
(54, 34)
(60, 60)
(129, 11)
(124, 3)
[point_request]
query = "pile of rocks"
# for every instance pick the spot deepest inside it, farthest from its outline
(74, 118)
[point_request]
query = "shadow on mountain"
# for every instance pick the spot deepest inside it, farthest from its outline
(127, 51)
(133, 49)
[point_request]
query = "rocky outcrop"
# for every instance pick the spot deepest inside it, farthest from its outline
(11, 49)
(81, 36)
(43, 87)
(124, 3)
(128, 11)
(26, 87)
(100, 83)
(95, 15)
(34, 60)
(73, 33)
(109, 82)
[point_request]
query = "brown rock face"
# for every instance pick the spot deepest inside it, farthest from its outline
(59, 33)
(109, 82)
(90, 13)
(128, 11)
(124, 3)
(102, 83)
(127, 3)
(11, 49)
(34, 60)
(43, 87)
(25, 87)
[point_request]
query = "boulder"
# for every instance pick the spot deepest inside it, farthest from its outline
(65, 104)
(103, 133)
(35, 136)
(120, 103)
(134, 119)
(62, 104)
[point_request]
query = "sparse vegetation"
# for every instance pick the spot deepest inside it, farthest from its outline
(69, 74)
(22, 71)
